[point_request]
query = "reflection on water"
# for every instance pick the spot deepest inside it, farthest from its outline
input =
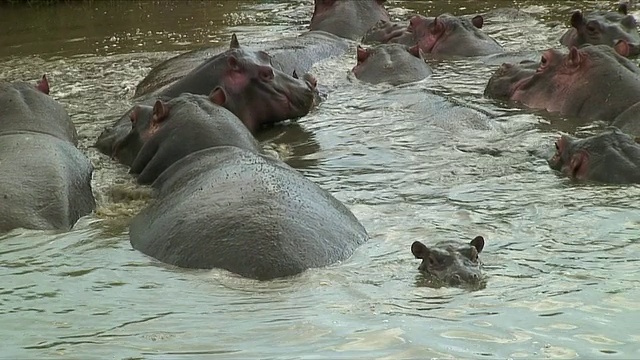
(561, 259)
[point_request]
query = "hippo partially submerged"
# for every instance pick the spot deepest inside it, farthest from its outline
(450, 263)
(45, 181)
(219, 203)
(391, 63)
(347, 18)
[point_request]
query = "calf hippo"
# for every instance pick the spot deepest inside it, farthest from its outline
(615, 29)
(609, 157)
(442, 36)
(579, 84)
(347, 18)
(391, 63)
(243, 81)
(45, 181)
(451, 264)
(219, 203)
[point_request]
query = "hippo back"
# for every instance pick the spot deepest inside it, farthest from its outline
(229, 208)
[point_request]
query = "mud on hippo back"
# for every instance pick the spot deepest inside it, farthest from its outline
(243, 81)
(221, 204)
(442, 36)
(45, 181)
(615, 29)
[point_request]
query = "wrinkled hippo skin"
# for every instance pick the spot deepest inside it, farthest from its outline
(450, 263)
(609, 157)
(347, 18)
(227, 206)
(46, 181)
(391, 63)
(242, 81)
(442, 36)
(578, 84)
(615, 29)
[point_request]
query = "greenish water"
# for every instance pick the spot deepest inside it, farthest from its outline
(561, 259)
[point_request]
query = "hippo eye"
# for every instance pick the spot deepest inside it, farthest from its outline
(591, 28)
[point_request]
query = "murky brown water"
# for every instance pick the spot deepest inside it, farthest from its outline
(561, 258)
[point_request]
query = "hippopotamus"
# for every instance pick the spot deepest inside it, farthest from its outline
(442, 36)
(347, 18)
(46, 181)
(391, 63)
(449, 263)
(240, 79)
(608, 157)
(615, 29)
(219, 203)
(577, 84)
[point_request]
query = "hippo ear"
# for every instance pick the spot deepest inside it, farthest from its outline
(416, 51)
(419, 250)
(362, 54)
(438, 26)
(576, 19)
(232, 61)
(574, 58)
(160, 111)
(478, 21)
(477, 243)
(234, 42)
(218, 96)
(133, 115)
(578, 165)
(622, 47)
(43, 85)
(623, 8)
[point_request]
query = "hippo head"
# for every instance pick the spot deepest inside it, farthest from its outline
(609, 157)
(384, 32)
(259, 94)
(392, 63)
(145, 121)
(574, 84)
(348, 19)
(450, 263)
(448, 35)
(615, 29)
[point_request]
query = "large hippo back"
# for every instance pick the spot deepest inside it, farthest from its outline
(230, 208)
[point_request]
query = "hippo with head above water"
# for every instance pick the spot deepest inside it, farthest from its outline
(243, 81)
(615, 29)
(219, 203)
(451, 264)
(442, 36)
(592, 82)
(391, 63)
(45, 181)
(347, 18)
(609, 157)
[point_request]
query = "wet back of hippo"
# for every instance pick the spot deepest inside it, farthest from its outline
(45, 181)
(229, 208)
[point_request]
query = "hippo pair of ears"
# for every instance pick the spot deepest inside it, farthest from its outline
(159, 112)
(421, 251)
(43, 85)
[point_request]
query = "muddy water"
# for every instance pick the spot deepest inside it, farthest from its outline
(561, 258)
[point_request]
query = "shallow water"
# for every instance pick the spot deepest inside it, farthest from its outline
(560, 258)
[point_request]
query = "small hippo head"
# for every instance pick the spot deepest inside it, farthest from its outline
(451, 264)
(348, 19)
(448, 35)
(392, 63)
(615, 29)
(609, 157)
(384, 32)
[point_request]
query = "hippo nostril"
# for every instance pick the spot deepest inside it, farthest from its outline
(311, 80)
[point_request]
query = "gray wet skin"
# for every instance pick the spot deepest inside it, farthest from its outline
(46, 182)
(616, 29)
(219, 203)
(391, 63)
(244, 82)
(609, 157)
(442, 36)
(578, 84)
(451, 263)
(347, 18)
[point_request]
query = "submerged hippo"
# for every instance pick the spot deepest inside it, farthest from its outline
(219, 203)
(615, 29)
(347, 18)
(243, 81)
(609, 157)
(449, 263)
(592, 83)
(442, 36)
(45, 181)
(391, 63)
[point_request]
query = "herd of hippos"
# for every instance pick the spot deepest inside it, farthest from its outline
(220, 202)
